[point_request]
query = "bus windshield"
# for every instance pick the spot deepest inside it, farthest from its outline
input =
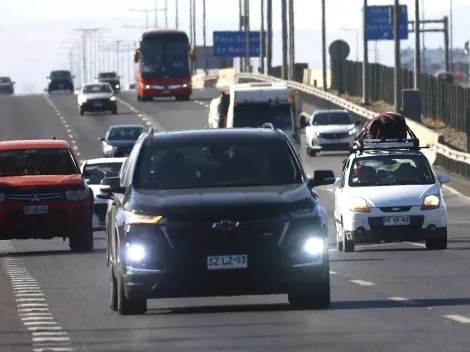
(164, 57)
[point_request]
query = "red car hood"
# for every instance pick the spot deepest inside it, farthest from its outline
(41, 180)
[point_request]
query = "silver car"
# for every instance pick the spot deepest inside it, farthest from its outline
(97, 97)
(94, 170)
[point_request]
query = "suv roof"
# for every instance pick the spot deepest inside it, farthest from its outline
(225, 133)
(33, 144)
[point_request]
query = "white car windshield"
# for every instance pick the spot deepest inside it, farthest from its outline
(389, 170)
(97, 88)
(331, 118)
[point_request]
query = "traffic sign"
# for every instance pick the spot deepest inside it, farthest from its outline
(233, 43)
(380, 26)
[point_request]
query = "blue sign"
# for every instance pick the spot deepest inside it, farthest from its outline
(379, 26)
(233, 44)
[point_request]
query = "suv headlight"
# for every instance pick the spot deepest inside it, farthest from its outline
(358, 205)
(76, 195)
(112, 98)
(135, 252)
(354, 130)
(432, 201)
(304, 212)
(314, 246)
(136, 218)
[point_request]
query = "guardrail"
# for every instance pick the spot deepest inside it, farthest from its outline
(440, 154)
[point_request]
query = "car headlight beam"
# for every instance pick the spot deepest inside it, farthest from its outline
(135, 252)
(432, 201)
(314, 246)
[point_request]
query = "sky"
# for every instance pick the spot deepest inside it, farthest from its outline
(35, 35)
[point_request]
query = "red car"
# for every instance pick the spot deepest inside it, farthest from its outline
(43, 193)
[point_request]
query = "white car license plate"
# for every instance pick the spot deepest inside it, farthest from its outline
(396, 220)
(36, 209)
(239, 261)
(98, 105)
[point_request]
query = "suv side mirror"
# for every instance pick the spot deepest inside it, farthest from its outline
(322, 178)
(101, 139)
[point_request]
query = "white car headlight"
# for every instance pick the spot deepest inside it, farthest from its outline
(116, 86)
(112, 98)
(358, 205)
(76, 195)
(135, 252)
(432, 201)
(353, 131)
(314, 246)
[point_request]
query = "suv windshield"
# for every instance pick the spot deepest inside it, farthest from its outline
(331, 118)
(209, 164)
(389, 170)
(60, 74)
(94, 173)
(125, 133)
(255, 115)
(36, 162)
(97, 88)
(5, 80)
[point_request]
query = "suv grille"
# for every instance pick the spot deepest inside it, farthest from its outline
(334, 135)
(35, 197)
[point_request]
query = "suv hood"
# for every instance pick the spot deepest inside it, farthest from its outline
(234, 203)
(388, 196)
(334, 128)
(41, 180)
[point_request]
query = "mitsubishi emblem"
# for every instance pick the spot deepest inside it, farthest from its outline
(395, 209)
(35, 198)
(225, 225)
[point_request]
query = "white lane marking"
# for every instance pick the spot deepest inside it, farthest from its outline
(333, 272)
(422, 245)
(53, 349)
(458, 318)
(362, 283)
(67, 127)
(403, 300)
(454, 191)
(33, 309)
(147, 119)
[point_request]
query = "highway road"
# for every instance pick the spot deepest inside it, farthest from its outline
(395, 297)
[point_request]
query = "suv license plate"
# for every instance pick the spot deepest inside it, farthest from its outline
(98, 105)
(396, 220)
(227, 262)
(36, 209)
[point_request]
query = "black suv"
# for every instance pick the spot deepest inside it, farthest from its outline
(111, 78)
(60, 80)
(219, 212)
(6, 86)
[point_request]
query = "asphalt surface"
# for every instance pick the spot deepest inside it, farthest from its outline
(397, 297)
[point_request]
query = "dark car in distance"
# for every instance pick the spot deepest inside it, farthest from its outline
(60, 80)
(112, 78)
(7, 86)
(119, 140)
(219, 212)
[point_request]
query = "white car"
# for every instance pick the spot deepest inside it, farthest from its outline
(330, 130)
(94, 170)
(97, 97)
(390, 195)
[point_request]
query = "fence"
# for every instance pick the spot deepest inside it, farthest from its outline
(440, 101)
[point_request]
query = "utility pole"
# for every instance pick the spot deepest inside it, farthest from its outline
(176, 14)
(191, 39)
(445, 30)
(166, 13)
(269, 35)
(284, 39)
(156, 13)
(451, 35)
(85, 34)
(194, 23)
(248, 37)
(241, 25)
(365, 56)
(323, 44)
(417, 63)
(204, 34)
(396, 40)
(261, 43)
(291, 41)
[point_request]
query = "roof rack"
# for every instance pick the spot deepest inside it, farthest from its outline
(386, 144)
(268, 125)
